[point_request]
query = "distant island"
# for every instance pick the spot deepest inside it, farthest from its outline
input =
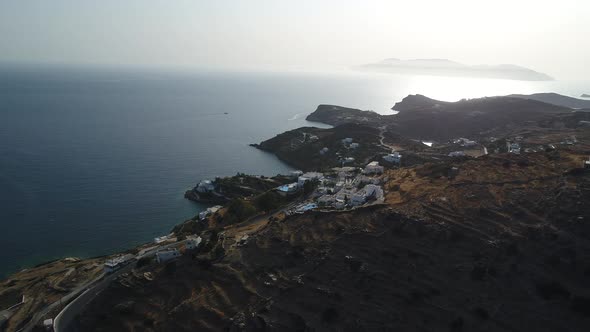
(444, 67)
(585, 95)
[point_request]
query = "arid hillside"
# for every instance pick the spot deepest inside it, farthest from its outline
(502, 244)
(424, 118)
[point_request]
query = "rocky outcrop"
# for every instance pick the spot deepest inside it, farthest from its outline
(412, 102)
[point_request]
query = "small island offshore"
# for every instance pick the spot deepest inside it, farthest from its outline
(448, 216)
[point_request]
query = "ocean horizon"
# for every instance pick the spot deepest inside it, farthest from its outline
(97, 161)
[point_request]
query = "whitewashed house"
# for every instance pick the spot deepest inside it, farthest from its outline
(514, 148)
(308, 177)
(354, 145)
(161, 239)
(205, 186)
(373, 168)
(167, 255)
(457, 154)
(326, 200)
(347, 160)
(209, 211)
(361, 196)
(394, 158)
(296, 174)
(347, 140)
(116, 263)
(193, 242)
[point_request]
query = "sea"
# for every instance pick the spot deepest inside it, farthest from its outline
(96, 160)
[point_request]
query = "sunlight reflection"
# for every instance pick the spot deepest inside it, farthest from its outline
(456, 88)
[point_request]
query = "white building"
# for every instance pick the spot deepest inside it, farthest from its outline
(167, 254)
(205, 186)
(48, 324)
(326, 200)
(339, 204)
(347, 140)
(116, 263)
(193, 242)
(368, 179)
(587, 163)
(457, 154)
(209, 211)
(324, 150)
(514, 148)
(373, 168)
(160, 239)
(368, 191)
(469, 143)
(354, 145)
(347, 160)
(465, 142)
(395, 158)
(309, 176)
(296, 174)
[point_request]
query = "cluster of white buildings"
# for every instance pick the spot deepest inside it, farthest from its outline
(168, 254)
(349, 188)
(302, 178)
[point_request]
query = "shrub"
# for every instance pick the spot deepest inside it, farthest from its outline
(170, 268)
(238, 210)
(268, 201)
(552, 290)
(330, 315)
(581, 305)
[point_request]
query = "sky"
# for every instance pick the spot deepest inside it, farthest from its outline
(547, 36)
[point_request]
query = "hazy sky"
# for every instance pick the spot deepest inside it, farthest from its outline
(548, 36)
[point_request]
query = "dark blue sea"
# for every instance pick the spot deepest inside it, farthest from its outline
(96, 160)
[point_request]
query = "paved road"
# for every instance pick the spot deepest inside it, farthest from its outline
(65, 317)
(42, 313)
(84, 293)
